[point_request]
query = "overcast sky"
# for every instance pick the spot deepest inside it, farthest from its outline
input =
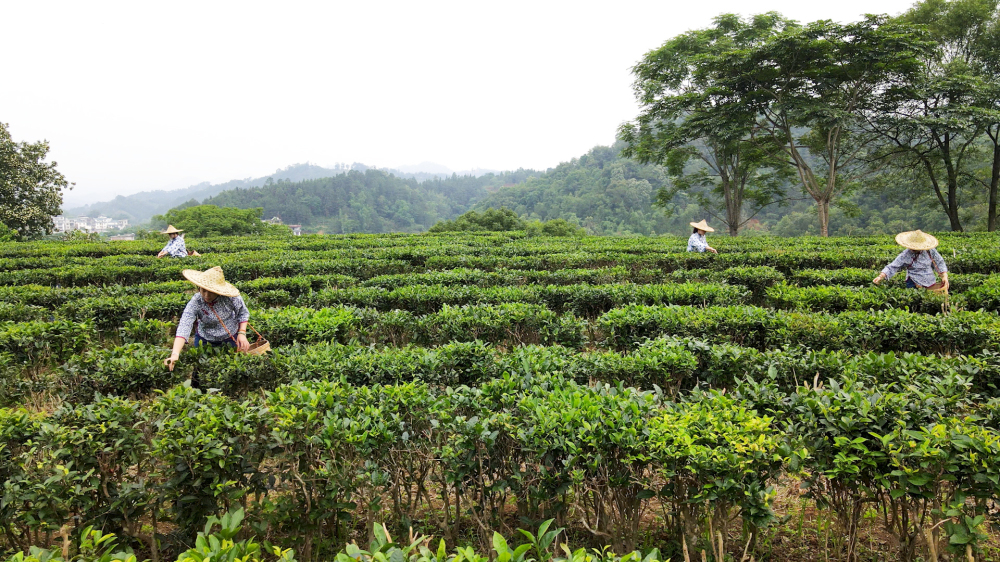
(140, 95)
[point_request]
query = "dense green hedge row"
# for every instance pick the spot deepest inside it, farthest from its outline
(501, 243)
(672, 364)
(36, 343)
(236, 269)
(363, 264)
(314, 459)
(116, 303)
(886, 330)
(582, 300)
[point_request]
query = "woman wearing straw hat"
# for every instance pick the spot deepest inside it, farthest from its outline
(221, 314)
(697, 242)
(920, 260)
(175, 247)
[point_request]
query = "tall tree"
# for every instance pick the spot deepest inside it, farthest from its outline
(30, 188)
(812, 85)
(946, 121)
(713, 156)
(987, 109)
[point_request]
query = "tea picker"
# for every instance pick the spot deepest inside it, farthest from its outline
(921, 261)
(219, 313)
(697, 242)
(175, 247)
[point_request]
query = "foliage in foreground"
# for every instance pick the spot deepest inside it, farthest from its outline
(222, 546)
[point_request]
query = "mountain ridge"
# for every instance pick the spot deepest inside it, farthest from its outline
(142, 206)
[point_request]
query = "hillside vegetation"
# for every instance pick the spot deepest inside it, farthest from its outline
(600, 191)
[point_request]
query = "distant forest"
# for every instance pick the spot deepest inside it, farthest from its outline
(369, 201)
(600, 191)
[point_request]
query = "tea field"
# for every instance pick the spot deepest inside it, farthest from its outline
(765, 402)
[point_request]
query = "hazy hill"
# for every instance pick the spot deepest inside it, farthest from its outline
(368, 201)
(139, 207)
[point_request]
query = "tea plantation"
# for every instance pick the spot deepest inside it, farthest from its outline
(765, 402)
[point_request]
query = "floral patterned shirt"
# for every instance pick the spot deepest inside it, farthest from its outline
(176, 248)
(232, 310)
(919, 266)
(697, 243)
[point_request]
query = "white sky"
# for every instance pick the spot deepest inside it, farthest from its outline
(140, 95)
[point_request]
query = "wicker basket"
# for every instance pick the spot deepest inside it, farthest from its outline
(259, 347)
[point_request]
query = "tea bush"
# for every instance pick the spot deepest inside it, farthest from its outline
(452, 383)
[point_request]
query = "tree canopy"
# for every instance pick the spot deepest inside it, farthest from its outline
(30, 188)
(210, 220)
(490, 220)
(909, 104)
(945, 123)
(680, 124)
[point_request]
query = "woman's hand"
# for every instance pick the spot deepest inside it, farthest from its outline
(944, 279)
(175, 352)
(880, 277)
(161, 254)
(713, 250)
(242, 344)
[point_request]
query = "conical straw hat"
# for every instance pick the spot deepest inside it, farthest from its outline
(703, 225)
(916, 240)
(171, 230)
(212, 280)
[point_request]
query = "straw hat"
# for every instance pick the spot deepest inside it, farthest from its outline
(171, 230)
(703, 225)
(916, 240)
(211, 280)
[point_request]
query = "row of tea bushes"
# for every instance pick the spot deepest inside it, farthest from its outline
(761, 328)
(364, 264)
(501, 243)
(316, 459)
(111, 306)
(38, 343)
(834, 298)
(582, 300)
(671, 364)
(236, 268)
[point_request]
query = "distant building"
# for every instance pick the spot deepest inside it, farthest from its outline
(88, 224)
(296, 229)
(130, 236)
(273, 220)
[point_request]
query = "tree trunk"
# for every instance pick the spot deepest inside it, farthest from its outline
(733, 197)
(823, 209)
(956, 224)
(733, 209)
(991, 217)
(949, 204)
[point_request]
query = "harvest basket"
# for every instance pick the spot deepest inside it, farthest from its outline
(260, 346)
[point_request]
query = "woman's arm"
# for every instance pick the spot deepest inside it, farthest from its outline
(175, 353)
(242, 343)
(893, 267)
(243, 317)
(184, 328)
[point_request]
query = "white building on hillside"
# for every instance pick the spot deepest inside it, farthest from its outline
(88, 224)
